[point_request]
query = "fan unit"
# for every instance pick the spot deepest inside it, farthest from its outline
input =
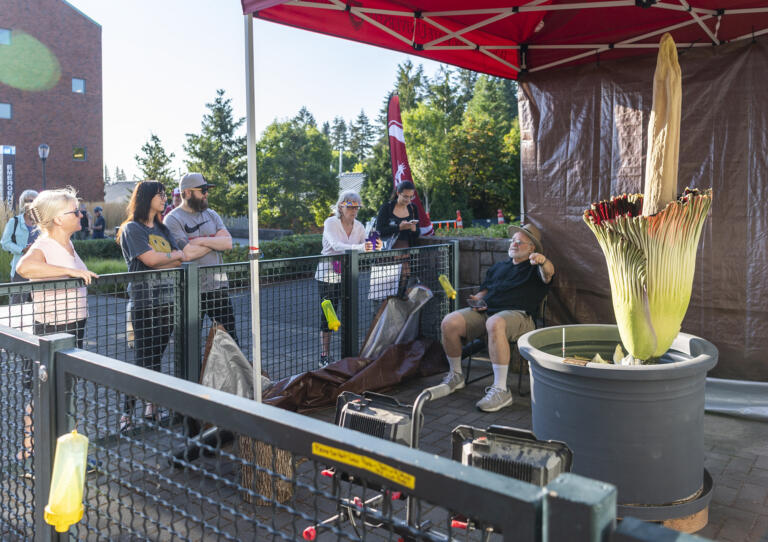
(378, 415)
(511, 452)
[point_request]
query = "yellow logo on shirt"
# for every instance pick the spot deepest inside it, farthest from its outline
(159, 243)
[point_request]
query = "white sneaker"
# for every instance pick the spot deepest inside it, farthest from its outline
(455, 381)
(495, 399)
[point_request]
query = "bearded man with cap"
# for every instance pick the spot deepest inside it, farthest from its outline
(503, 309)
(193, 223)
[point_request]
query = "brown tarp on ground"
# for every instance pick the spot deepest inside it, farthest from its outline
(583, 139)
(319, 388)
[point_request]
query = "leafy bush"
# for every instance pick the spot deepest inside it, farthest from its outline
(497, 231)
(105, 249)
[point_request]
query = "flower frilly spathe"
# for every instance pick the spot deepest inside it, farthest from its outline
(651, 262)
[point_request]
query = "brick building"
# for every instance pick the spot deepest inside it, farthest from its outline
(50, 92)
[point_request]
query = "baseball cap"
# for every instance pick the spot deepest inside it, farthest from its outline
(176, 192)
(193, 180)
(98, 208)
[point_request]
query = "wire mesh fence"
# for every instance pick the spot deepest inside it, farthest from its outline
(384, 274)
(161, 319)
(221, 468)
(17, 473)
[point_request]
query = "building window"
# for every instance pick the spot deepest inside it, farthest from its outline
(5, 36)
(78, 85)
(79, 154)
(5, 111)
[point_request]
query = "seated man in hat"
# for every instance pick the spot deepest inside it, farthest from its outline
(504, 309)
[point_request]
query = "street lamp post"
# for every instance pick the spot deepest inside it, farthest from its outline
(43, 151)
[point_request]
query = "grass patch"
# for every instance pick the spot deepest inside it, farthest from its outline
(105, 266)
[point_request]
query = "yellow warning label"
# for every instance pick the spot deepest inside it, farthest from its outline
(366, 463)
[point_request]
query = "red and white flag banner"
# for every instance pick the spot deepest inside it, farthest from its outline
(401, 171)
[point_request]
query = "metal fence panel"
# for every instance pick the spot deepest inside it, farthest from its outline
(259, 473)
(17, 436)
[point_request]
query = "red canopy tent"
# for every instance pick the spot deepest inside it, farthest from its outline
(507, 37)
(535, 39)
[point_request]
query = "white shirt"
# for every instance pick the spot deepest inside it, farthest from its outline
(336, 241)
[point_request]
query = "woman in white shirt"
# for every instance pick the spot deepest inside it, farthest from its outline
(341, 232)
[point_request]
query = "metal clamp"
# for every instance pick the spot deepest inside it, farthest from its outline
(43, 373)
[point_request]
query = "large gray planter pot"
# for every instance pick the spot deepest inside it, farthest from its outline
(639, 428)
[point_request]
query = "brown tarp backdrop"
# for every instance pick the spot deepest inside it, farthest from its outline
(584, 138)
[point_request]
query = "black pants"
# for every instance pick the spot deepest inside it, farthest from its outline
(152, 328)
(76, 328)
(218, 306)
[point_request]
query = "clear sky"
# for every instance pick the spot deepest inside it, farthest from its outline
(164, 59)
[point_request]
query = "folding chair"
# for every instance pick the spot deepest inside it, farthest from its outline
(481, 344)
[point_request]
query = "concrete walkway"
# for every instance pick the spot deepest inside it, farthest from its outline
(736, 452)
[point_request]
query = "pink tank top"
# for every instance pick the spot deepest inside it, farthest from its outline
(59, 306)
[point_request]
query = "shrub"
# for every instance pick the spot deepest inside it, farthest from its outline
(498, 231)
(105, 249)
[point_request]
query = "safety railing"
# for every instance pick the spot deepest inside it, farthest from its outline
(161, 319)
(206, 465)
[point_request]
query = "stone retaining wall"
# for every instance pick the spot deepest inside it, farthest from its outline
(476, 255)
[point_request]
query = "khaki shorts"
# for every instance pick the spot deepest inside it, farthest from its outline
(518, 323)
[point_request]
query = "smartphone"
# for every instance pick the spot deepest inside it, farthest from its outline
(476, 303)
(415, 221)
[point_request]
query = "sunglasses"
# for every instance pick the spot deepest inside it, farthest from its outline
(76, 212)
(203, 189)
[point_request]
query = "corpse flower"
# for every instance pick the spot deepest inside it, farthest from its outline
(650, 241)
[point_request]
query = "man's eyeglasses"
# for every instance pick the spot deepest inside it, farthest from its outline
(518, 242)
(202, 189)
(76, 212)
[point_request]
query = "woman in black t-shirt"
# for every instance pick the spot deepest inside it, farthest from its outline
(147, 244)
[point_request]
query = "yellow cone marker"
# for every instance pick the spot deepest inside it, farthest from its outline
(330, 315)
(65, 501)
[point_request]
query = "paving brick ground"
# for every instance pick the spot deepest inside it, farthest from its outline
(736, 453)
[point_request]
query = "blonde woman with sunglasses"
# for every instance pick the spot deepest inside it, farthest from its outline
(53, 256)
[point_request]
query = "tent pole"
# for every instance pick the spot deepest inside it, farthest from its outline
(253, 211)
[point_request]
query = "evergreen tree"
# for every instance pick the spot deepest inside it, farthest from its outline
(117, 174)
(326, 129)
(361, 136)
(107, 178)
(339, 137)
(442, 96)
(220, 155)
(122, 175)
(409, 85)
(154, 162)
(305, 118)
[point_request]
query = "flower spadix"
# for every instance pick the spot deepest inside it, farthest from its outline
(650, 241)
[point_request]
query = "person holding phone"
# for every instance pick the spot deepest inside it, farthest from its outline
(503, 309)
(398, 219)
